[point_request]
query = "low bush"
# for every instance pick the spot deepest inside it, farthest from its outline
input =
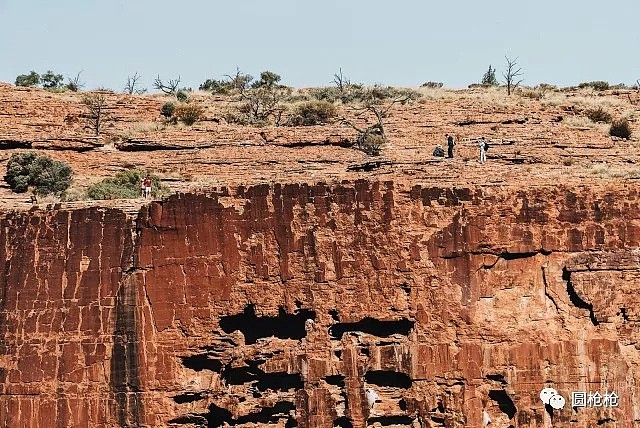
(598, 115)
(620, 128)
(125, 185)
(40, 173)
(434, 85)
(313, 113)
(189, 113)
(168, 109)
(531, 94)
(29, 80)
(182, 96)
(357, 93)
(371, 144)
(598, 85)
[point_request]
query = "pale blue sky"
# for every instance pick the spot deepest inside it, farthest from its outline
(401, 42)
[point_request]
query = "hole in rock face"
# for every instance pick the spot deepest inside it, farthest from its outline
(505, 404)
(372, 326)
(218, 416)
(201, 362)
(283, 326)
(334, 315)
(497, 378)
(189, 397)
(402, 404)
(406, 288)
(343, 422)
(196, 420)
(388, 378)
(337, 380)
(391, 420)
(279, 381)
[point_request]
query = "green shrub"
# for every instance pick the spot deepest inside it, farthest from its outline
(50, 80)
(30, 80)
(620, 128)
(125, 185)
(313, 113)
(268, 79)
(41, 173)
(168, 109)
(215, 86)
(598, 85)
(189, 113)
(182, 96)
(434, 85)
(598, 115)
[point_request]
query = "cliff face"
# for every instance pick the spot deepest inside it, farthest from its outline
(319, 306)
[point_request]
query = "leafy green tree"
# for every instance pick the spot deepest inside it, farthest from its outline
(50, 80)
(29, 80)
(39, 172)
(268, 79)
(489, 77)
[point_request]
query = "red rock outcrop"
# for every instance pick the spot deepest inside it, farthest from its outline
(354, 304)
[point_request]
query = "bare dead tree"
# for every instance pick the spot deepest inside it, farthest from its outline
(169, 88)
(132, 85)
(371, 138)
(95, 104)
(74, 84)
(341, 81)
(512, 74)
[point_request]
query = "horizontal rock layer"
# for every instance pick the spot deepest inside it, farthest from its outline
(319, 306)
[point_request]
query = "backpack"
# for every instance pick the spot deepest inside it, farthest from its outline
(486, 146)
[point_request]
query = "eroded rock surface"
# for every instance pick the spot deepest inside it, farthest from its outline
(350, 305)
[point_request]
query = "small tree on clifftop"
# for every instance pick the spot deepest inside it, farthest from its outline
(489, 78)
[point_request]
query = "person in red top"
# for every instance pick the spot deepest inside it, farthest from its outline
(146, 187)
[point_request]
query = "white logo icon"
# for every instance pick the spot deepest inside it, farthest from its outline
(557, 402)
(546, 394)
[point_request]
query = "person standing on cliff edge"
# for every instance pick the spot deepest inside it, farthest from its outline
(146, 187)
(450, 144)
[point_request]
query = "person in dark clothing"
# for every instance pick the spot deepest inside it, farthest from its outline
(450, 144)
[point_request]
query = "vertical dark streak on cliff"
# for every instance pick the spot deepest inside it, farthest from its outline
(576, 300)
(125, 376)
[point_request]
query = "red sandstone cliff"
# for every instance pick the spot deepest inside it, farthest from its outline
(284, 305)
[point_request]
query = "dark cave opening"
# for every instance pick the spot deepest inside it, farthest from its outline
(337, 380)
(372, 326)
(253, 327)
(278, 381)
(201, 362)
(218, 416)
(343, 422)
(497, 378)
(188, 397)
(505, 403)
(388, 378)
